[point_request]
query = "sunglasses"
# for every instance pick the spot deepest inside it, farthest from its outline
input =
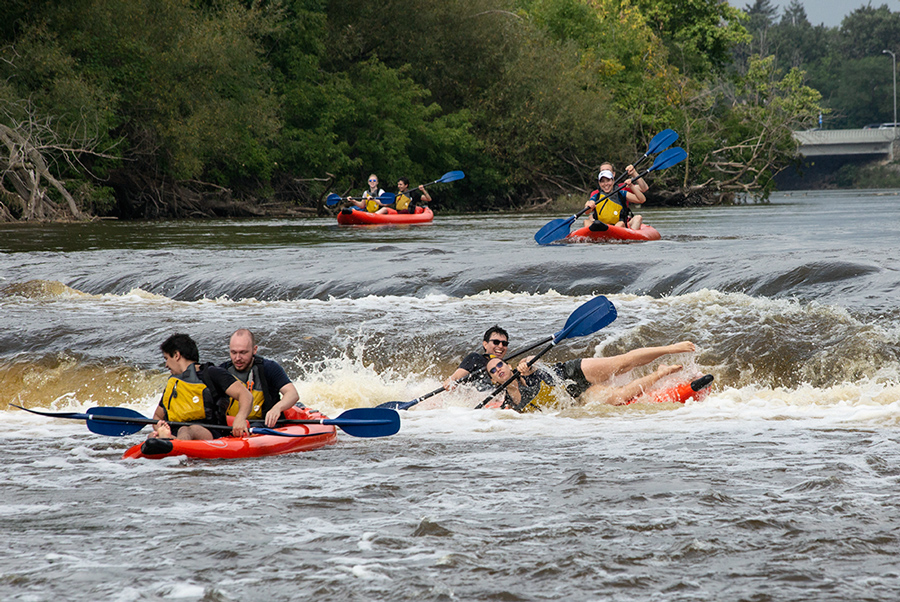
(498, 342)
(373, 180)
(497, 367)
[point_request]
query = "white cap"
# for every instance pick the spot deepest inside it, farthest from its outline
(605, 174)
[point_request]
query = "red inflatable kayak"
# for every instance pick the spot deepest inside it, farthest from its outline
(681, 393)
(613, 233)
(312, 436)
(357, 217)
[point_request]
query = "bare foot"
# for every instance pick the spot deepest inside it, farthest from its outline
(665, 370)
(683, 347)
(163, 430)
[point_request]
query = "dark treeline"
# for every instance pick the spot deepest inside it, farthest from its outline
(150, 108)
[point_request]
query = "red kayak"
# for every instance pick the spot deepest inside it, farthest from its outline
(681, 393)
(358, 217)
(312, 436)
(613, 233)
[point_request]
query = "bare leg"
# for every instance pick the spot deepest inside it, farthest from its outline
(616, 396)
(636, 222)
(194, 432)
(600, 369)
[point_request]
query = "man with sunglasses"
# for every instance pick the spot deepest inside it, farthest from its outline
(588, 378)
(496, 344)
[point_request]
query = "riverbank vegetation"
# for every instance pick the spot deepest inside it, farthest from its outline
(230, 107)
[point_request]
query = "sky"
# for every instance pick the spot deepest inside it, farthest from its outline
(827, 12)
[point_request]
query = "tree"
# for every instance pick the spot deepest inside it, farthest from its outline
(191, 93)
(762, 16)
(700, 34)
(54, 128)
(750, 140)
(867, 31)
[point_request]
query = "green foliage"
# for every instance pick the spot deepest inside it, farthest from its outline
(192, 91)
(751, 139)
(373, 119)
(867, 31)
(526, 96)
(700, 34)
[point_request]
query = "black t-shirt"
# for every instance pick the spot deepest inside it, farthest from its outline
(472, 363)
(220, 380)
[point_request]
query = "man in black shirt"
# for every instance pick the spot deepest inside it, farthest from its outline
(496, 344)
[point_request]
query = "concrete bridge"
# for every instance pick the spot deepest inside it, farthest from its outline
(822, 143)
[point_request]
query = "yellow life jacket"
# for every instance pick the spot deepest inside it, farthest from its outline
(256, 385)
(402, 201)
(611, 210)
(372, 204)
(187, 398)
(544, 399)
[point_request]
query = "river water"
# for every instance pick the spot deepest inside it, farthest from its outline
(781, 485)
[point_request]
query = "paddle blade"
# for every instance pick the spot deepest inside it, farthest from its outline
(71, 415)
(599, 314)
(367, 422)
(668, 158)
(405, 405)
(397, 405)
(261, 430)
(332, 199)
(450, 176)
(387, 198)
(555, 230)
(122, 420)
(116, 428)
(661, 141)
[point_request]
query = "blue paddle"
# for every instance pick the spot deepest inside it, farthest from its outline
(552, 231)
(387, 198)
(602, 315)
(450, 176)
(117, 422)
(559, 228)
(582, 311)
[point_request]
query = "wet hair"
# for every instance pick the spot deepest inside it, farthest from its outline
(183, 344)
(495, 330)
(405, 180)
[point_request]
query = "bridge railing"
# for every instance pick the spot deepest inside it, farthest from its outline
(814, 137)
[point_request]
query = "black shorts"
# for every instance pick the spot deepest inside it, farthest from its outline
(571, 372)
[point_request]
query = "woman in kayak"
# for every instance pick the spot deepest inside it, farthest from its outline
(614, 210)
(370, 196)
(584, 378)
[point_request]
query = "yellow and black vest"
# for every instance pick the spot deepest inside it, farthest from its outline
(402, 201)
(188, 397)
(533, 399)
(611, 210)
(256, 383)
(371, 203)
